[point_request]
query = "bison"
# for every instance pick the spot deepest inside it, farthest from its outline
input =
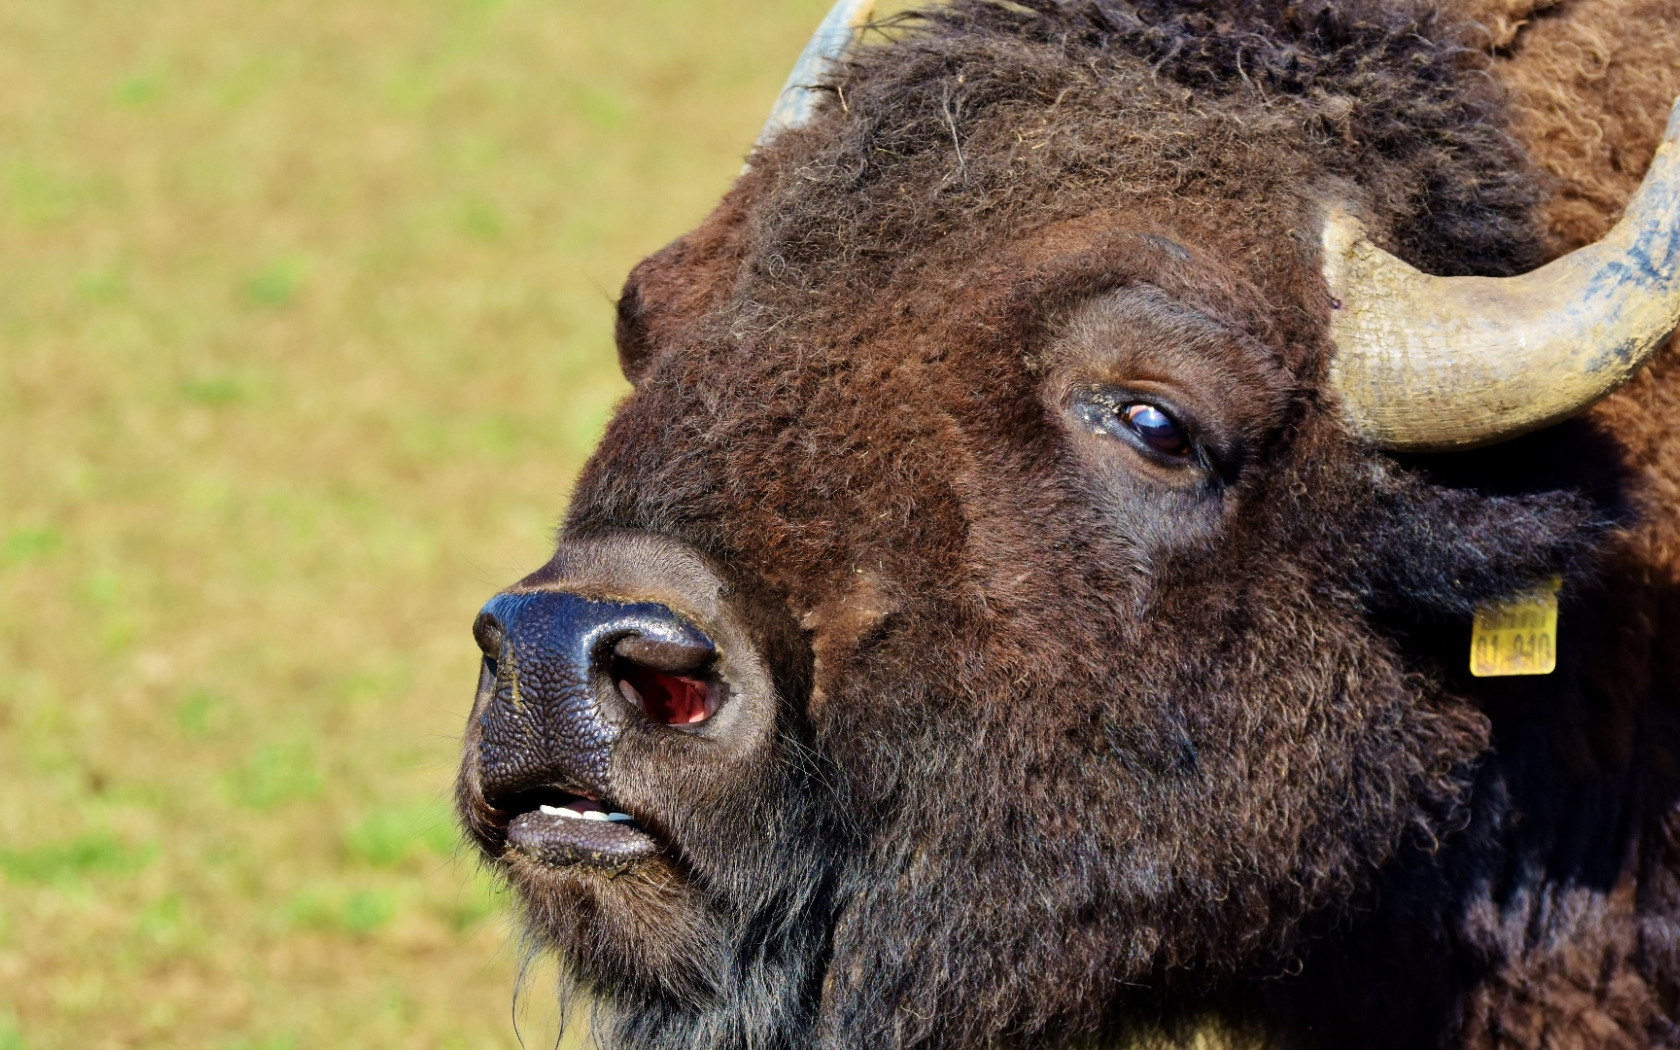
(1027, 599)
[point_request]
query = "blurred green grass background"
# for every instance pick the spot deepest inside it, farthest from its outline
(305, 328)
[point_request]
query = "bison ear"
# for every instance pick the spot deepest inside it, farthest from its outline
(670, 294)
(662, 300)
(630, 332)
(1444, 534)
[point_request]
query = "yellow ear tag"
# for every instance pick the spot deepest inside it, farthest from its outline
(1517, 635)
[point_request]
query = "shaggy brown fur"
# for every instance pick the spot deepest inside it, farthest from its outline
(1591, 82)
(1077, 744)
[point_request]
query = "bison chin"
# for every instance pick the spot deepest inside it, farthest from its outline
(647, 928)
(722, 931)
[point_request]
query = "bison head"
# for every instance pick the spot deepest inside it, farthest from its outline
(995, 614)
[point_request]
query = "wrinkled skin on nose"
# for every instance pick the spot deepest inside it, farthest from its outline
(556, 711)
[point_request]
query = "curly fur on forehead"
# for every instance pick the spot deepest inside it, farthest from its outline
(986, 119)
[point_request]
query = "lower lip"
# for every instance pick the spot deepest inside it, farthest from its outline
(565, 841)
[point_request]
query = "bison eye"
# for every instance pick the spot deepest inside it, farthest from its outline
(1155, 428)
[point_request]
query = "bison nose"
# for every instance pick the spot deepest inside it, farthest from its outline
(565, 675)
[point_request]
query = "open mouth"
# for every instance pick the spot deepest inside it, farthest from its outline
(559, 827)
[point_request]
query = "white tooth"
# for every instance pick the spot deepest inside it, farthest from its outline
(550, 811)
(593, 814)
(621, 817)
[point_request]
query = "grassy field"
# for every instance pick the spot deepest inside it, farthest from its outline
(304, 330)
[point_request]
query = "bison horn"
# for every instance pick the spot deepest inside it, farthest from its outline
(1428, 363)
(798, 99)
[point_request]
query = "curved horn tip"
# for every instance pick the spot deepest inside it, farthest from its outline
(797, 101)
(1426, 363)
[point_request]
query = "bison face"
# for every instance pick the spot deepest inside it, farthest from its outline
(1021, 640)
(977, 620)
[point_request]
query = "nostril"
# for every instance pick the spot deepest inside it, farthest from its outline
(489, 633)
(668, 679)
(670, 699)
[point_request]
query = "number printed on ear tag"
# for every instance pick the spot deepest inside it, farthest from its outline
(1517, 635)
